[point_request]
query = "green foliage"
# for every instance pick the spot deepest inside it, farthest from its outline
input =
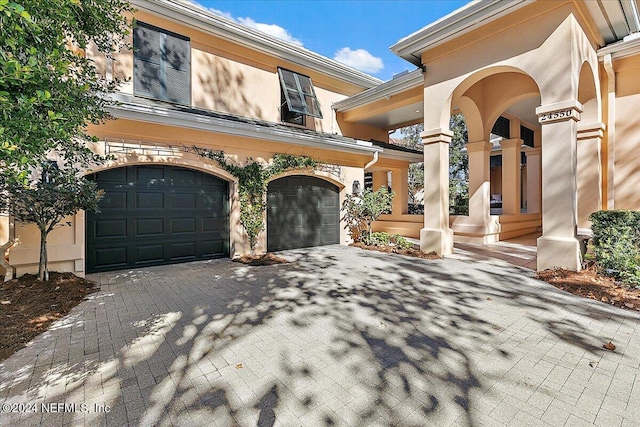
(385, 239)
(616, 241)
(253, 180)
(360, 211)
(46, 202)
(49, 91)
(458, 165)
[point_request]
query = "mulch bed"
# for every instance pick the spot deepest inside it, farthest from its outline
(28, 307)
(588, 283)
(395, 250)
(258, 260)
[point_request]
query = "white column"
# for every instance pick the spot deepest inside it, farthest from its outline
(511, 176)
(558, 246)
(436, 236)
(533, 180)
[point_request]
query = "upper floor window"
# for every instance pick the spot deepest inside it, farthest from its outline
(161, 64)
(299, 97)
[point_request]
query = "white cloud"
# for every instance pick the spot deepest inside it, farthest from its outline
(221, 13)
(271, 29)
(359, 59)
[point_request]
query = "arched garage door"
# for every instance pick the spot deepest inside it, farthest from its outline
(152, 215)
(302, 211)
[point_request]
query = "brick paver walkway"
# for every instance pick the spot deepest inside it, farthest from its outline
(339, 337)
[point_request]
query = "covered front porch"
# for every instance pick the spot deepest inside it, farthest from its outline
(529, 90)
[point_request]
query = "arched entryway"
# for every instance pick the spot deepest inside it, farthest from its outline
(156, 214)
(302, 211)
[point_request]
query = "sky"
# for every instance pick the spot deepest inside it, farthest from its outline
(354, 32)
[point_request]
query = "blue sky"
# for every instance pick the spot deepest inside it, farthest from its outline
(355, 32)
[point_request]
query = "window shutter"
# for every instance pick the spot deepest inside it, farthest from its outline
(147, 61)
(161, 64)
(177, 70)
(299, 93)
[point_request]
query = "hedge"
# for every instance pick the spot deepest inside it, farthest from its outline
(616, 240)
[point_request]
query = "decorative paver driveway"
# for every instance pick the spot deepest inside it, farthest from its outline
(340, 336)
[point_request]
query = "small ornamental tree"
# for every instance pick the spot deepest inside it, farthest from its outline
(360, 211)
(47, 201)
(253, 180)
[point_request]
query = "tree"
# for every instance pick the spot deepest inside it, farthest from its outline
(458, 167)
(49, 93)
(46, 202)
(49, 90)
(360, 211)
(411, 138)
(458, 164)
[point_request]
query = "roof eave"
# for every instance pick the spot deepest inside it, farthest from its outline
(387, 89)
(220, 26)
(457, 23)
(129, 109)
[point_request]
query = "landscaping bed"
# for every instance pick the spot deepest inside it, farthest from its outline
(397, 250)
(257, 260)
(28, 306)
(588, 283)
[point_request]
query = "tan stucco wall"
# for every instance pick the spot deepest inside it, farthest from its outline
(627, 133)
(231, 78)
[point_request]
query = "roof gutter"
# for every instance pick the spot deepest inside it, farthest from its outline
(128, 109)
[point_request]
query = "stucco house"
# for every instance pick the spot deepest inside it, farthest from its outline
(549, 92)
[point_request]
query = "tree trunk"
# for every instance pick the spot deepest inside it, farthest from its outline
(43, 270)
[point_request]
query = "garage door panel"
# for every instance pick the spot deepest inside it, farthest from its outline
(302, 211)
(110, 256)
(183, 201)
(183, 225)
(184, 177)
(145, 200)
(149, 175)
(183, 250)
(111, 228)
(151, 220)
(114, 200)
(149, 226)
(149, 253)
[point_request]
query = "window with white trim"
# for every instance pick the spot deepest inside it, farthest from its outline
(161, 64)
(298, 98)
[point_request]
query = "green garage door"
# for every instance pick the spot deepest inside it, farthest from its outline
(302, 211)
(152, 215)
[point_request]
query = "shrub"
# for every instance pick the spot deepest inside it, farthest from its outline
(360, 211)
(381, 238)
(616, 242)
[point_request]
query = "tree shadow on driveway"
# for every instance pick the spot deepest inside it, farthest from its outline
(339, 336)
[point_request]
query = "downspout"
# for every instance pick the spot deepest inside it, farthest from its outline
(611, 129)
(373, 161)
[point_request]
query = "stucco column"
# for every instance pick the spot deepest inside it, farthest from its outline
(511, 176)
(478, 227)
(533, 180)
(379, 179)
(589, 170)
(436, 236)
(558, 246)
(400, 186)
